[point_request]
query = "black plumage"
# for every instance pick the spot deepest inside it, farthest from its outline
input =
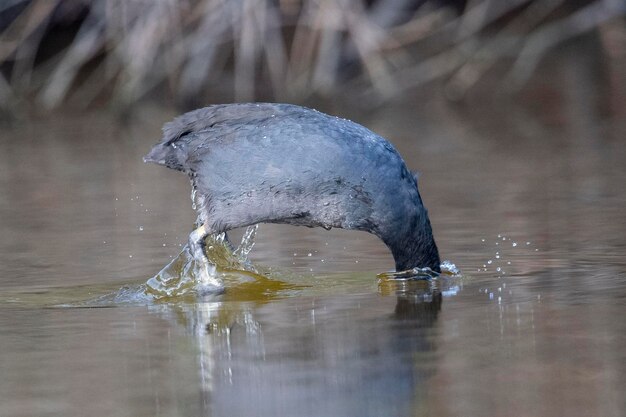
(279, 163)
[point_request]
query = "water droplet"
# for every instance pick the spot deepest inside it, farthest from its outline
(489, 262)
(309, 254)
(514, 244)
(498, 269)
(497, 256)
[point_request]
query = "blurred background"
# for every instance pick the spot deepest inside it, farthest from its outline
(84, 54)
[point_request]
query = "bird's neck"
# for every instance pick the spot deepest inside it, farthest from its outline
(413, 245)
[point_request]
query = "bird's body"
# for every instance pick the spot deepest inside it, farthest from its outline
(278, 163)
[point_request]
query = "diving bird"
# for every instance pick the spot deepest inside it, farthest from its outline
(255, 163)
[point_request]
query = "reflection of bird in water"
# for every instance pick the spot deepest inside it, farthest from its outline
(419, 305)
(280, 358)
(279, 163)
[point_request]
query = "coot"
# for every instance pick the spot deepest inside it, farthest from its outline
(280, 163)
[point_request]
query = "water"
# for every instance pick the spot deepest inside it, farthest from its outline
(307, 328)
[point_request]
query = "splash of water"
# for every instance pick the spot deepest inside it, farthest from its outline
(408, 275)
(447, 268)
(194, 191)
(176, 279)
(422, 284)
(247, 242)
(185, 275)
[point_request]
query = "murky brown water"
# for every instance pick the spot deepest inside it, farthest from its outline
(534, 188)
